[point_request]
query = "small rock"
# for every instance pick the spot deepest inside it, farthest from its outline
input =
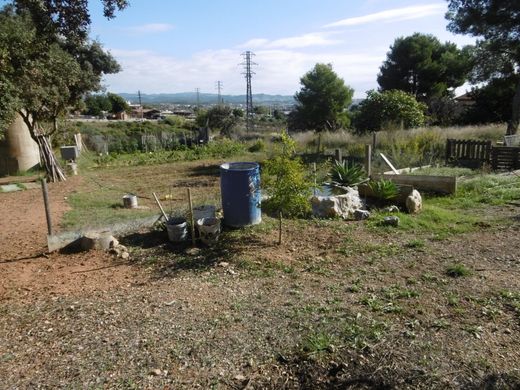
(392, 209)
(115, 251)
(361, 214)
(231, 272)
(223, 264)
(156, 372)
(125, 255)
(193, 251)
(240, 377)
(414, 202)
(114, 243)
(391, 221)
(122, 248)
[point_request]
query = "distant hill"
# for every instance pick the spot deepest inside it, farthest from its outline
(206, 98)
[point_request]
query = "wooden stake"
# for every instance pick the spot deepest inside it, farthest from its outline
(337, 155)
(191, 218)
(47, 207)
(280, 228)
(368, 160)
(315, 180)
(160, 206)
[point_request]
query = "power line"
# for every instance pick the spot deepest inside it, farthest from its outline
(248, 73)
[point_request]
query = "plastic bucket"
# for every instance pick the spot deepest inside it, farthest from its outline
(177, 229)
(130, 201)
(240, 189)
(204, 211)
(209, 230)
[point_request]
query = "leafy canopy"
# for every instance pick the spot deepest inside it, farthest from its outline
(44, 75)
(322, 101)
(387, 110)
(424, 67)
(496, 24)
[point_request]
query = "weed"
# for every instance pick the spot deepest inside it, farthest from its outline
(318, 342)
(453, 299)
(415, 244)
(457, 270)
(372, 302)
(474, 330)
(359, 334)
(399, 292)
(440, 323)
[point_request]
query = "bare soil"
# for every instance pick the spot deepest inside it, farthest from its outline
(337, 305)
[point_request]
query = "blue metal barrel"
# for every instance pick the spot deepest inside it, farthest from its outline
(240, 191)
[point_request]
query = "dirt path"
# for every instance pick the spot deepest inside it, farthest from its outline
(25, 272)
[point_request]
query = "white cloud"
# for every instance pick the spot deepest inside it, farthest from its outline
(393, 15)
(296, 42)
(150, 28)
(278, 72)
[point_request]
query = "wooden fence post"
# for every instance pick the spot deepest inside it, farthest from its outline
(368, 160)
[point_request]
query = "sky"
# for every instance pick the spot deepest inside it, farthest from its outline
(169, 46)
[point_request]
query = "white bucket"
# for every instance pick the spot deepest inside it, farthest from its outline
(209, 230)
(130, 201)
(204, 211)
(177, 229)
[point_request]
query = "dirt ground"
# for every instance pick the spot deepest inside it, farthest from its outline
(26, 270)
(337, 305)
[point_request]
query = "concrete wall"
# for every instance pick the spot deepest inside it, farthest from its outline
(19, 152)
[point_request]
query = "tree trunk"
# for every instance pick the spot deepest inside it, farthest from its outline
(48, 159)
(512, 126)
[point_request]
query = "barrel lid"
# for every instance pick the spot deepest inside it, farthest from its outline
(239, 166)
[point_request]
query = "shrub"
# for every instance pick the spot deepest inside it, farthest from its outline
(388, 110)
(286, 182)
(258, 146)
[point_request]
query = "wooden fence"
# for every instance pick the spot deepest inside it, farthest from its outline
(505, 158)
(468, 153)
(475, 153)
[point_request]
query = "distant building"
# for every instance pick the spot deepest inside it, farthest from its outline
(465, 100)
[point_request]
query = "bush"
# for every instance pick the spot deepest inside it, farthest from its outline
(286, 182)
(388, 110)
(258, 146)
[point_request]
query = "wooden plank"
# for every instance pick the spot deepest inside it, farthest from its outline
(387, 161)
(440, 184)
(407, 170)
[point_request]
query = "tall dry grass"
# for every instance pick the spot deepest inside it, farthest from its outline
(425, 145)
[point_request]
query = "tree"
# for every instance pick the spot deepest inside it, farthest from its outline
(424, 67)
(492, 102)
(217, 117)
(97, 104)
(48, 68)
(65, 18)
(388, 109)
(322, 101)
(497, 25)
(117, 103)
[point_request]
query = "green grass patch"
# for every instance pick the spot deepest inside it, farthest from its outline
(457, 270)
(98, 209)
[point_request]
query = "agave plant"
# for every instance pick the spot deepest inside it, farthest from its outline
(343, 175)
(384, 190)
